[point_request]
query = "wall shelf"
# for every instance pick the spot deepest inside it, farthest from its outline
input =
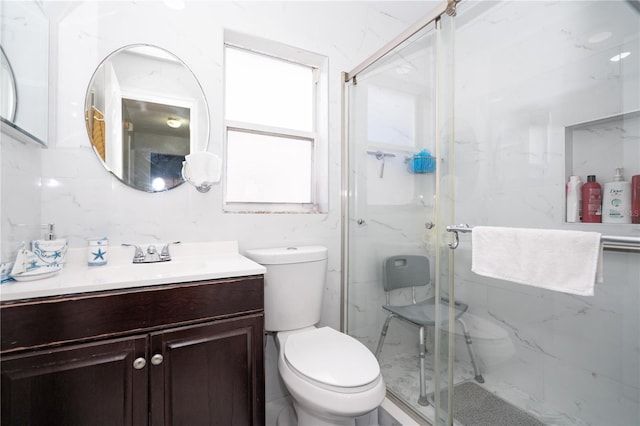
(598, 147)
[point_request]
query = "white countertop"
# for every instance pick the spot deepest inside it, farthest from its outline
(190, 262)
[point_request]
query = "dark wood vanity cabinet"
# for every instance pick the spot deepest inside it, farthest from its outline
(188, 354)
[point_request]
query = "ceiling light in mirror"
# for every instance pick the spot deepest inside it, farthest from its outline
(134, 95)
(619, 56)
(174, 122)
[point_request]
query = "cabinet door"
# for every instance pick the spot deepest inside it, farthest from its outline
(88, 384)
(211, 374)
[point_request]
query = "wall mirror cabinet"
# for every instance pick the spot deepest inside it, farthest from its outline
(145, 111)
(24, 71)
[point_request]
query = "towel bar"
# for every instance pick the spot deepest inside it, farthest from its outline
(614, 242)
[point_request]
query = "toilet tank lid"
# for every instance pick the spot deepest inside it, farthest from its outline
(283, 255)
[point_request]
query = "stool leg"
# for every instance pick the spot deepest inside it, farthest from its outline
(467, 338)
(423, 393)
(383, 334)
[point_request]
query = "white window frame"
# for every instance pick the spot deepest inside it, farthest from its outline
(318, 135)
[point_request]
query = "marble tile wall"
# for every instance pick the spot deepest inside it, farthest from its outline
(20, 194)
(578, 355)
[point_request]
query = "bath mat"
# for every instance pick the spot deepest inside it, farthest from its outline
(473, 405)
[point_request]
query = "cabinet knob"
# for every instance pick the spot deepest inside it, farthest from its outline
(139, 363)
(157, 359)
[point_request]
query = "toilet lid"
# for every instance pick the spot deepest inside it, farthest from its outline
(331, 357)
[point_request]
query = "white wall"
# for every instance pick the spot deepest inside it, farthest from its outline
(20, 195)
(88, 202)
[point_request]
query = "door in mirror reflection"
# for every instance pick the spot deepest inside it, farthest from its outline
(155, 141)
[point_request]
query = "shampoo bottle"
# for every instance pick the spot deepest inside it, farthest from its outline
(616, 200)
(635, 199)
(591, 201)
(574, 202)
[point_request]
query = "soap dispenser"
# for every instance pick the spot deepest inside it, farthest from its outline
(50, 235)
(616, 200)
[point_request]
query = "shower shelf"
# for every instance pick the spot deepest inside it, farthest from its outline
(597, 147)
(420, 164)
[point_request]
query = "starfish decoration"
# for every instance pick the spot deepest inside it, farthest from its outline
(98, 254)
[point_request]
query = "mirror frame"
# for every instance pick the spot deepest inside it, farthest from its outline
(199, 116)
(12, 104)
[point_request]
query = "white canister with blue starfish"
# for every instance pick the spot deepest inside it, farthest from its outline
(97, 252)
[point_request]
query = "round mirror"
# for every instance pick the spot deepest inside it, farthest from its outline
(145, 111)
(9, 98)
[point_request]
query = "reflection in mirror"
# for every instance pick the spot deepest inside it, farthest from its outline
(8, 95)
(145, 111)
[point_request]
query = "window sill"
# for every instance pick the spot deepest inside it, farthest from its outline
(259, 208)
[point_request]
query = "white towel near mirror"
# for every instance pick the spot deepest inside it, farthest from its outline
(202, 169)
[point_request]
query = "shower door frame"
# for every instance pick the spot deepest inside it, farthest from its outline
(447, 7)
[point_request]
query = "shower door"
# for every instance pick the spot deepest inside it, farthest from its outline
(397, 202)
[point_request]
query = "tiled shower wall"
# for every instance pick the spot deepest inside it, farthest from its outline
(523, 75)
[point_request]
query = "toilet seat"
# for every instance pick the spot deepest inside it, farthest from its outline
(331, 360)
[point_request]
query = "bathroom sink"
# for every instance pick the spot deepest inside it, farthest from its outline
(142, 271)
(190, 262)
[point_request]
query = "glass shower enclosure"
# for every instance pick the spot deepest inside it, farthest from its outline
(400, 135)
(480, 119)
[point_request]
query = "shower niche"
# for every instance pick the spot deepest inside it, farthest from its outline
(599, 146)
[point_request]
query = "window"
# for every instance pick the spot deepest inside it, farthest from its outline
(275, 127)
(392, 117)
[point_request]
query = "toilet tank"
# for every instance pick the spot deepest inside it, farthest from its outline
(293, 285)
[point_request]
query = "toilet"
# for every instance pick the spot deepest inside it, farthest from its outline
(332, 377)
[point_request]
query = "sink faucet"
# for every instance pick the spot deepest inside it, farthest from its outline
(164, 254)
(151, 255)
(138, 255)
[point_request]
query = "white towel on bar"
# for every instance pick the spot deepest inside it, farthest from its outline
(566, 261)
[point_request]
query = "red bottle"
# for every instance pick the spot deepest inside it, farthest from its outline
(635, 199)
(591, 201)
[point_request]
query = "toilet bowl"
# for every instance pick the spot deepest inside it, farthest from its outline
(332, 377)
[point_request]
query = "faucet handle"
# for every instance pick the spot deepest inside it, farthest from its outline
(138, 255)
(164, 254)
